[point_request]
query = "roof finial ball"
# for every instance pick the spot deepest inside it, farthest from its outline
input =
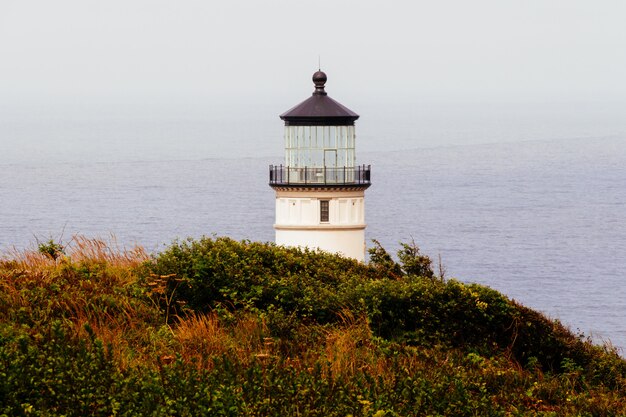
(319, 79)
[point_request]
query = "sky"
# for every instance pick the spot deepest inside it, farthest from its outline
(265, 51)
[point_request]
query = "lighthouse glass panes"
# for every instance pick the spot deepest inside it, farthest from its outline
(319, 146)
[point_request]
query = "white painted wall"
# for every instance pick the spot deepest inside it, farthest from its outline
(349, 242)
(306, 211)
(298, 221)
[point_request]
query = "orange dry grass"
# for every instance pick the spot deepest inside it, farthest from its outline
(97, 250)
(60, 286)
(202, 337)
(134, 345)
(349, 349)
(85, 286)
(80, 249)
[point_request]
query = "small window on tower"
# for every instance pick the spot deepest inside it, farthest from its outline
(324, 211)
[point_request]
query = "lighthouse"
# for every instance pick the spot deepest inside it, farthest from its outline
(320, 190)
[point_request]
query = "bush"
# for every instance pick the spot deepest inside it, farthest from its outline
(402, 302)
(224, 274)
(51, 249)
(413, 262)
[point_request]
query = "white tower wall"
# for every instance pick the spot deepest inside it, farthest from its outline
(299, 221)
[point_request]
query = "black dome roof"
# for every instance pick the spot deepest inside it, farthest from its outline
(319, 109)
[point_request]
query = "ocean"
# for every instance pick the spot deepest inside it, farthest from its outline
(527, 199)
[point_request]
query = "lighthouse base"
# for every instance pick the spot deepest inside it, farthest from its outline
(346, 241)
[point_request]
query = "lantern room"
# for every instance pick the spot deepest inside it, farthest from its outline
(319, 142)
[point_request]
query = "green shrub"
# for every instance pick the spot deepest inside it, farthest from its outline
(54, 373)
(403, 303)
(413, 262)
(51, 249)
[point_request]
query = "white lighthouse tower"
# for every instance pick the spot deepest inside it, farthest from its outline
(320, 191)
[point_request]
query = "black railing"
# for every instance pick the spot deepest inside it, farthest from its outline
(283, 175)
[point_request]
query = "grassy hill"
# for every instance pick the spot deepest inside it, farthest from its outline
(226, 328)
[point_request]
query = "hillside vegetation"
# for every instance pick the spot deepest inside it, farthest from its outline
(226, 328)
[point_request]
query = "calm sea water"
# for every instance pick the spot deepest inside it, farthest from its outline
(529, 201)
